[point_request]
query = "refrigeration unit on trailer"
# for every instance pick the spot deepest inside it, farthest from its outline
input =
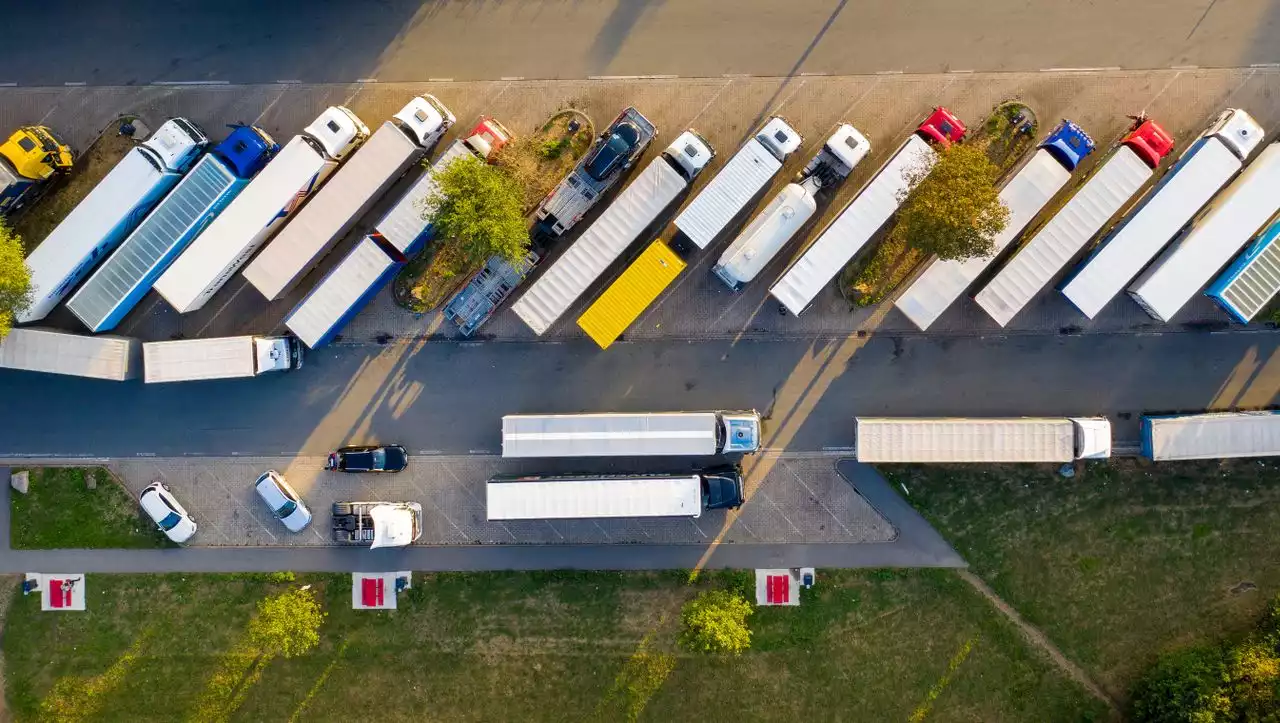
(1116, 179)
(1215, 435)
(614, 151)
(1252, 281)
(634, 210)
(114, 358)
(575, 497)
(626, 298)
(111, 210)
(1217, 235)
(228, 357)
(261, 208)
(1025, 194)
(791, 209)
(854, 226)
(750, 170)
(129, 273)
(630, 434)
(312, 233)
(1206, 166)
(959, 439)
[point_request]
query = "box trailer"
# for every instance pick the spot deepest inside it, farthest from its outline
(675, 434)
(791, 209)
(854, 226)
(1024, 194)
(627, 297)
(957, 439)
(261, 208)
(1252, 281)
(230, 357)
(574, 497)
(129, 273)
(111, 210)
(634, 210)
(1114, 182)
(749, 171)
(1215, 435)
(313, 232)
(114, 358)
(1201, 170)
(342, 293)
(1223, 228)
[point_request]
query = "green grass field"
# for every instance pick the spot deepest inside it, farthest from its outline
(869, 646)
(60, 510)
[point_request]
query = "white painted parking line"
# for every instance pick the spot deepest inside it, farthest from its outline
(738, 75)
(1079, 70)
(430, 451)
(812, 75)
(146, 454)
(366, 80)
(888, 72)
(288, 82)
(8, 85)
(192, 82)
(74, 84)
(1184, 67)
(613, 77)
(512, 77)
(1264, 65)
(480, 451)
(959, 71)
(440, 80)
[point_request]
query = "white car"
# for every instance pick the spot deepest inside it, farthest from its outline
(283, 501)
(159, 504)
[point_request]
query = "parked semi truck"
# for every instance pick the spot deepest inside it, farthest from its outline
(745, 175)
(312, 233)
(1201, 170)
(114, 358)
(575, 497)
(634, 210)
(1227, 223)
(627, 297)
(1253, 280)
(630, 434)
(129, 273)
(30, 161)
(1017, 439)
(376, 259)
(1216, 435)
(1024, 194)
(377, 524)
(1110, 187)
(239, 231)
(854, 226)
(230, 357)
(616, 150)
(111, 210)
(791, 209)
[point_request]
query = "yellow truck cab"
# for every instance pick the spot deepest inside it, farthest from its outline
(28, 160)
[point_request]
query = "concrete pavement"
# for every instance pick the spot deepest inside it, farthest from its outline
(331, 41)
(446, 398)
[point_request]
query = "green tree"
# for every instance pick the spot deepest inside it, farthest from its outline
(287, 624)
(716, 622)
(1182, 687)
(478, 212)
(15, 279)
(953, 210)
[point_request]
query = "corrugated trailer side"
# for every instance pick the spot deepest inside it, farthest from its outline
(882, 439)
(1217, 435)
(627, 298)
(343, 292)
(114, 358)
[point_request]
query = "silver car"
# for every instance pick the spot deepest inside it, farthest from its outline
(283, 501)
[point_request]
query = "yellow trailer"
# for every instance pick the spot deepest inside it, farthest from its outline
(631, 294)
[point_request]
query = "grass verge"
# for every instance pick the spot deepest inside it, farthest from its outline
(61, 511)
(1124, 561)
(917, 645)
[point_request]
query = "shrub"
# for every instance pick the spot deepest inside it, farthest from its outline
(716, 622)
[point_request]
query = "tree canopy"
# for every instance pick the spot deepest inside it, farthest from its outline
(15, 279)
(716, 622)
(287, 624)
(954, 210)
(478, 213)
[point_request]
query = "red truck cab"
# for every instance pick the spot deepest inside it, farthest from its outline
(1150, 141)
(488, 137)
(942, 127)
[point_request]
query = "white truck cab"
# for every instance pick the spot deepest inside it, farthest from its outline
(338, 131)
(779, 137)
(1093, 437)
(691, 152)
(426, 119)
(177, 143)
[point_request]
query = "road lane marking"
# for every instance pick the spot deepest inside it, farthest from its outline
(366, 80)
(512, 77)
(77, 84)
(1080, 70)
(888, 72)
(8, 85)
(439, 80)
(288, 82)
(192, 82)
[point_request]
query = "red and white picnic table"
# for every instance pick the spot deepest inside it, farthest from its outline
(781, 586)
(377, 590)
(58, 591)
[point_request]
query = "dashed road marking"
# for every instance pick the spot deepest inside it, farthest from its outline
(1080, 70)
(192, 82)
(74, 84)
(888, 72)
(8, 85)
(288, 82)
(439, 80)
(512, 77)
(366, 80)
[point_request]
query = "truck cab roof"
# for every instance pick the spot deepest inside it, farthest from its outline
(176, 143)
(1069, 144)
(779, 137)
(488, 137)
(942, 127)
(848, 145)
(337, 130)
(1150, 141)
(395, 524)
(692, 152)
(36, 153)
(425, 118)
(247, 150)
(1238, 130)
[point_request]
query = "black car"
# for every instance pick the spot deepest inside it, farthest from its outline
(614, 152)
(384, 458)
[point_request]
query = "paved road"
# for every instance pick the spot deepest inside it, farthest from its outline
(340, 40)
(448, 398)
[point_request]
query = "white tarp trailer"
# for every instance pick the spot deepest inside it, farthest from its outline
(1217, 435)
(584, 498)
(114, 358)
(958, 439)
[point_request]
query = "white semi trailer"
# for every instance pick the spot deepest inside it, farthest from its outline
(630, 435)
(1216, 435)
(958, 439)
(1201, 170)
(230, 357)
(321, 224)
(571, 497)
(1101, 196)
(111, 210)
(114, 358)
(749, 171)
(1025, 194)
(260, 209)
(634, 210)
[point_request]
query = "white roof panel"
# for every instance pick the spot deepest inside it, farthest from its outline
(313, 319)
(192, 359)
(880, 439)
(592, 498)
(406, 221)
(114, 358)
(609, 435)
(766, 234)
(1212, 436)
(742, 177)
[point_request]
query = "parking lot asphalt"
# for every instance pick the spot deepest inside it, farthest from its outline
(326, 41)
